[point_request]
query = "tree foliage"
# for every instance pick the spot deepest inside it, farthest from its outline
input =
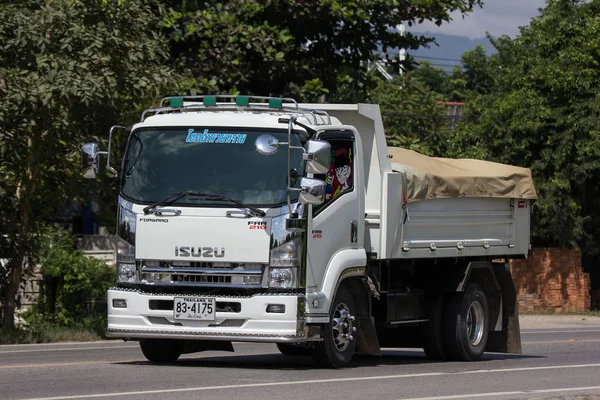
(73, 285)
(472, 78)
(305, 48)
(412, 115)
(67, 69)
(538, 107)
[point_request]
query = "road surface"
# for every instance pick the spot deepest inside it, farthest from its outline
(558, 363)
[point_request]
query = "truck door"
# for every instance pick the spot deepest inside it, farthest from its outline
(336, 224)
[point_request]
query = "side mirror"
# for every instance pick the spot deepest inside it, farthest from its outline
(312, 191)
(317, 156)
(266, 144)
(89, 160)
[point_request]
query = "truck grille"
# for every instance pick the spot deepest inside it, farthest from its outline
(201, 278)
(201, 274)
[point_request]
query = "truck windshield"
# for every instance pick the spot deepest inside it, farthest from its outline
(221, 161)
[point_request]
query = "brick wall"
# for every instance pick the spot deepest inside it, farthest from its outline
(552, 280)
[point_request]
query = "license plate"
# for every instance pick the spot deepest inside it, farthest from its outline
(194, 308)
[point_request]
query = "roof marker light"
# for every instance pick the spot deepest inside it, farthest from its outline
(209, 101)
(176, 101)
(242, 101)
(276, 103)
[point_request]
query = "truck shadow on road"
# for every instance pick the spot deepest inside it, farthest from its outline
(275, 361)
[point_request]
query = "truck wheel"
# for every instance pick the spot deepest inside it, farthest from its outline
(433, 331)
(162, 350)
(467, 324)
(337, 348)
(291, 350)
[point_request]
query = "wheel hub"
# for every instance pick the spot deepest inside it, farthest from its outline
(342, 325)
(475, 321)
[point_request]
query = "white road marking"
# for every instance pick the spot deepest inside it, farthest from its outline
(564, 341)
(316, 381)
(485, 395)
(69, 349)
(58, 343)
(534, 332)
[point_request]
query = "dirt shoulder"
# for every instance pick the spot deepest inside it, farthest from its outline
(558, 321)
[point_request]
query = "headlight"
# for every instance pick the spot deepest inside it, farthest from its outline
(284, 262)
(282, 278)
(126, 273)
(126, 270)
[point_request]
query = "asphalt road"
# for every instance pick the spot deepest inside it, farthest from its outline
(558, 363)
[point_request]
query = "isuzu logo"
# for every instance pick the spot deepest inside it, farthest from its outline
(188, 251)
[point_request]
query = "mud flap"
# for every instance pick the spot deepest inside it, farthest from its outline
(367, 342)
(508, 340)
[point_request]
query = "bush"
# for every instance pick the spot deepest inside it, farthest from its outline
(74, 286)
(45, 332)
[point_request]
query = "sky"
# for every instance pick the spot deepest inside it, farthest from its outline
(498, 17)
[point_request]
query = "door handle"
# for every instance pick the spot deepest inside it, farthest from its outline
(160, 211)
(353, 232)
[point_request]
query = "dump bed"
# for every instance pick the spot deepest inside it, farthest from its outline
(423, 207)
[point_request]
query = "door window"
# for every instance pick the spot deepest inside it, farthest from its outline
(340, 177)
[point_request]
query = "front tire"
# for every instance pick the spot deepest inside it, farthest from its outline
(467, 320)
(162, 350)
(339, 335)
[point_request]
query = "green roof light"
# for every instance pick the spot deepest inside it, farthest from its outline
(276, 103)
(209, 101)
(176, 101)
(242, 101)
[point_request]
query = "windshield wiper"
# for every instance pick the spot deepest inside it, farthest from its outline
(256, 212)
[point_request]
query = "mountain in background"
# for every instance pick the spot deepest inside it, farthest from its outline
(449, 49)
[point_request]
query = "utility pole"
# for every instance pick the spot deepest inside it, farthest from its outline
(401, 29)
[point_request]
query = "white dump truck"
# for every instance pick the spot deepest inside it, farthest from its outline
(257, 219)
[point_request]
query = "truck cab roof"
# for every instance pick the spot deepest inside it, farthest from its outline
(233, 118)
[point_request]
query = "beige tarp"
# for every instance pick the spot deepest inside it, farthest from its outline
(431, 178)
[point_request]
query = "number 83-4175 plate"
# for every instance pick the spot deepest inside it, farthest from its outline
(194, 308)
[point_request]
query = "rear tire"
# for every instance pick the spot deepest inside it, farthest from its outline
(433, 331)
(292, 350)
(339, 335)
(162, 350)
(467, 320)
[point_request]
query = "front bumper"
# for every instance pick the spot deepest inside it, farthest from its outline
(251, 324)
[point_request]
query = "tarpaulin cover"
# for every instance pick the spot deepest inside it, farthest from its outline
(438, 178)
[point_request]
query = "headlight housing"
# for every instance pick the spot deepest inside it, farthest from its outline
(126, 268)
(284, 263)
(287, 254)
(126, 273)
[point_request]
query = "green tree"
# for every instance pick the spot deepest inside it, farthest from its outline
(306, 48)
(435, 78)
(412, 115)
(74, 284)
(450, 86)
(538, 107)
(476, 74)
(67, 69)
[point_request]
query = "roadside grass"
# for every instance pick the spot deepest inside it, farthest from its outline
(48, 334)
